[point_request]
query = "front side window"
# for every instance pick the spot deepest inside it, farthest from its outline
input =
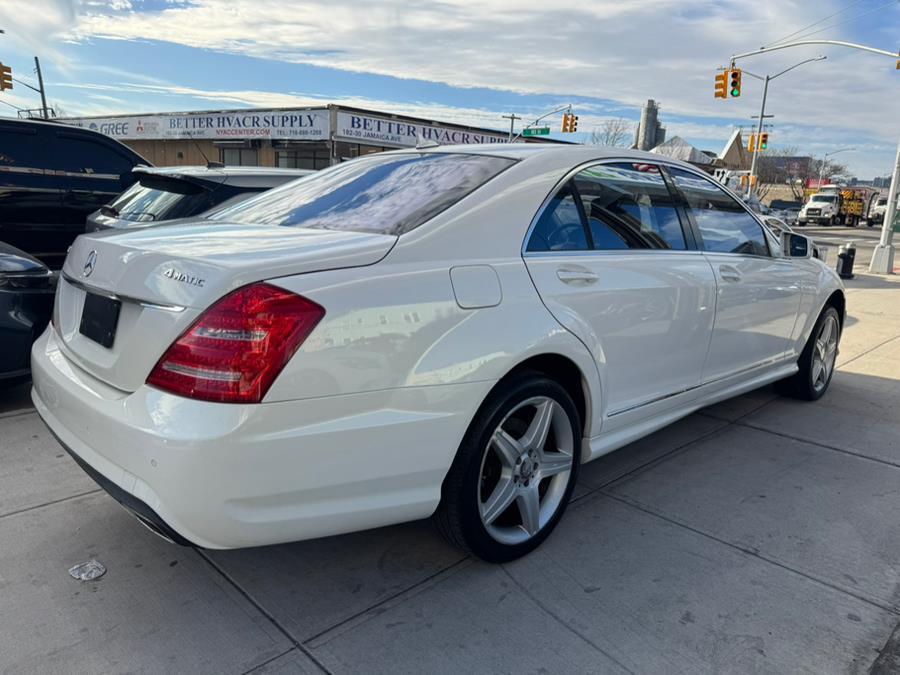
(629, 206)
(724, 225)
(385, 194)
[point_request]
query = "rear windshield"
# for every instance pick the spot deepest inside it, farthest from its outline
(823, 198)
(387, 194)
(153, 198)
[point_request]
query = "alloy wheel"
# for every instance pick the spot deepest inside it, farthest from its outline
(525, 470)
(824, 353)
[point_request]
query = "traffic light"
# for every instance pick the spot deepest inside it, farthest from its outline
(565, 123)
(722, 84)
(764, 141)
(5, 77)
(734, 87)
(751, 144)
(569, 123)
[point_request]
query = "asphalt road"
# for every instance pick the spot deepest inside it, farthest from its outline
(760, 535)
(864, 238)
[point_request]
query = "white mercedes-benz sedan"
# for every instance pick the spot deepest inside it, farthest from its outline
(444, 332)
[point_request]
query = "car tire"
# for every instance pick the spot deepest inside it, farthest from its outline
(817, 361)
(507, 488)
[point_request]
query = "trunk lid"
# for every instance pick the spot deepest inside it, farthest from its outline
(164, 277)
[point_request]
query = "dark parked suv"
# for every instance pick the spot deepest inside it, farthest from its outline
(51, 177)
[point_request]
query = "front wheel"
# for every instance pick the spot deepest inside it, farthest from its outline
(514, 472)
(817, 360)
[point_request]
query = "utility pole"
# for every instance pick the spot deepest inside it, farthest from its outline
(512, 125)
(883, 258)
(37, 67)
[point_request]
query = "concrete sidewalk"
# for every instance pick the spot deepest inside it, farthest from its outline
(762, 534)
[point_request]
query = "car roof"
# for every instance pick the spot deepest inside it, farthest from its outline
(238, 176)
(49, 126)
(574, 153)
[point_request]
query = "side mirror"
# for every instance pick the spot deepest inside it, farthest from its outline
(795, 245)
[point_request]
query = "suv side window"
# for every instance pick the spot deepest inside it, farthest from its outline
(560, 227)
(87, 156)
(628, 206)
(724, 225)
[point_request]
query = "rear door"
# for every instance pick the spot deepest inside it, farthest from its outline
(613, 263)
(758, 294)
(30, 198)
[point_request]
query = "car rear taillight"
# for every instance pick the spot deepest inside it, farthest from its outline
(237, 347)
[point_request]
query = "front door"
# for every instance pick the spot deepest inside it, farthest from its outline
(611, 261)
(758, 294)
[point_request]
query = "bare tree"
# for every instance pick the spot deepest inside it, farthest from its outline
(615, 133)
(786, 166)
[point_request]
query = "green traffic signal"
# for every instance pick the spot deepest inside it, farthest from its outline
(735, 92)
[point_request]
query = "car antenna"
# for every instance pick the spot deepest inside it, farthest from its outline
(209, 164)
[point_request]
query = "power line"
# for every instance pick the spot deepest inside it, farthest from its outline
(848, 20)
(12, 106)
(814, 23)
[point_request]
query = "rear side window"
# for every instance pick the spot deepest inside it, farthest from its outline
(153, 198)
(560, 227)
(610, 207)
(387, 194)
(82, 155)
(724, 225)
(629, 206)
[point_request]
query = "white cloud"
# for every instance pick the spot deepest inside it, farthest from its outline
(619, 51)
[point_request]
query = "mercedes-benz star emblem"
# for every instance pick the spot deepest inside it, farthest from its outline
(90, 263)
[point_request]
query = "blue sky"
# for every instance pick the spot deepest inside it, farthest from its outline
(471, 62)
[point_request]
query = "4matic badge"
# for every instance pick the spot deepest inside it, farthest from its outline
(175, 275)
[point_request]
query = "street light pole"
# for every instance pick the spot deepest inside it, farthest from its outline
(762, 114)
(759, 126)
(883, 258)
(825, 160)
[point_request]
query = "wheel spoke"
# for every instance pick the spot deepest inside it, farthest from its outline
(553, 463)
(508, 448)
(820, 348)
(825, 333)
(502, 496)
(817, 368)
(536, 435)
(529, 502)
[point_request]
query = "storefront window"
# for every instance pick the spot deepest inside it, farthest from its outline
(240, 156)
(301, 158)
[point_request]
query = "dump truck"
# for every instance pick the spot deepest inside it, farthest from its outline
(837, 205)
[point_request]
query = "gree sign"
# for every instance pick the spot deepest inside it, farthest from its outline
(372, 130)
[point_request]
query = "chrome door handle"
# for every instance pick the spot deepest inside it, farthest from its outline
(576, 277)
(729, 273)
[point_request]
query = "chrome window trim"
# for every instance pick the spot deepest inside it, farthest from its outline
(578, 169)
(118, 296)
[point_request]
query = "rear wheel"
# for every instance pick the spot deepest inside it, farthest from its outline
(514, 472)
(817, 360)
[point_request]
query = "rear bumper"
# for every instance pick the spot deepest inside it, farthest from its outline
(231, 476)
